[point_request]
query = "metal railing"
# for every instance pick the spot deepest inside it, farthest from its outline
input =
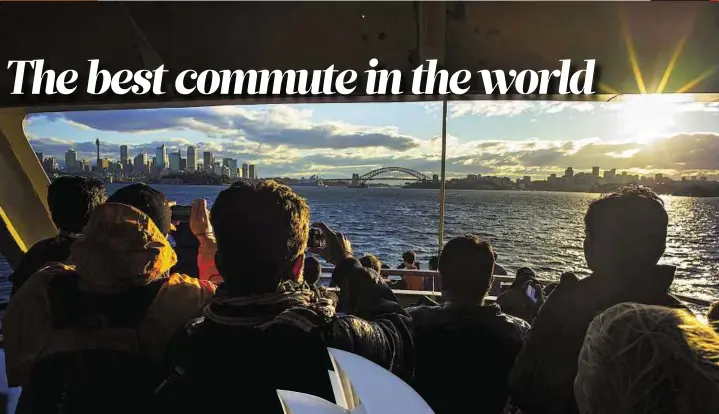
(327, 272)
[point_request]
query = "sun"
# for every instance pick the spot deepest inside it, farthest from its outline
(644, 118)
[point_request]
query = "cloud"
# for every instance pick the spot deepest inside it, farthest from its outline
(493, 108)
(513, 108)
(278, 125)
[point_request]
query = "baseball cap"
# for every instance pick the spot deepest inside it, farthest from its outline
(148, 200)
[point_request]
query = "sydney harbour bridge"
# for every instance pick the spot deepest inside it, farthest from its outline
(381, 175)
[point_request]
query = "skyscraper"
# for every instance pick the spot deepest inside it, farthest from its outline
(161, 160)
(175, 161)
(595, 172)
(253, 172)
(569, 172)
(141, 162)
(70, 160)
(231, 165)
(191, 158)
(207, 161)
(245, 171)
(124, 160)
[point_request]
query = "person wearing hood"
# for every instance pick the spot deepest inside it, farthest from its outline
(159, 208)
(265, 329)
(114, 292)
(464, 348)
(626, 235)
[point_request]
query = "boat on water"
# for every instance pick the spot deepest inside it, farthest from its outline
(421, 28)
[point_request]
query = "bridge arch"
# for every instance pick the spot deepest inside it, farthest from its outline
(393, 173)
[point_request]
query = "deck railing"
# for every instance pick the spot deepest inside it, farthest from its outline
(327, 272)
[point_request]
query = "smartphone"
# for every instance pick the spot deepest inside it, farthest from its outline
(316, 239)
(532, 293)
(181, 213)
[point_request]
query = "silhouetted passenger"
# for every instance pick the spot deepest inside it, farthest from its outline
(312, 271)
(498, 269)
(465, 349)
(71, 201)
(186, 247)
(640, 359)
(371, 261)
(550, 288)
(625, 238)
(434, 263)
(82, 334)
(262, 319)
(524, 297)
(433, 283)
(159, 208)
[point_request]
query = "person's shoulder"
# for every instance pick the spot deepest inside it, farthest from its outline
(521, 326)
(424, 311)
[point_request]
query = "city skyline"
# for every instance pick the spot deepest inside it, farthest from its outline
(512, 138)
(144, 165)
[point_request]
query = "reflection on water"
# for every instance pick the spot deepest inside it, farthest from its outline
(536, 229)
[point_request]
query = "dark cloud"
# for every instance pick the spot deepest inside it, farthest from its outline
(255, 127)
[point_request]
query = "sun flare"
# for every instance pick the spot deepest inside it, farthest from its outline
(647, 117)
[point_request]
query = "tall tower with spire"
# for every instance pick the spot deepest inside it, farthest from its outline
(97, 144)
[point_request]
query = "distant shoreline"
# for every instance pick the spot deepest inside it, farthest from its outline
(711, 194)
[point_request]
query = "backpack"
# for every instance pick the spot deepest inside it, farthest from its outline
(91, 360)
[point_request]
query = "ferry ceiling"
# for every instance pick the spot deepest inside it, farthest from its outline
(640, 47)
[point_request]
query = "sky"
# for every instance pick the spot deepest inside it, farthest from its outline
(646, 135)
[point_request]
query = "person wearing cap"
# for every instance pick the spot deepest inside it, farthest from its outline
(118, 270)
(465, 348)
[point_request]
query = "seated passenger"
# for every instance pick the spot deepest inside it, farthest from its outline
(626, 235)
(464, 349)
(371, 261)
(640, 359)
(71, 201)
(156, 205)
(410, 263)
(94, 330)
(264, 331)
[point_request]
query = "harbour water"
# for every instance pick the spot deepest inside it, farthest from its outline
(542, 230)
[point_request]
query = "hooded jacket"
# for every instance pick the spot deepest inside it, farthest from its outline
(121, 250)
(543, 375)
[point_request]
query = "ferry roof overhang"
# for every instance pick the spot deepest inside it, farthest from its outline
(314, 35)
(636, 44)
